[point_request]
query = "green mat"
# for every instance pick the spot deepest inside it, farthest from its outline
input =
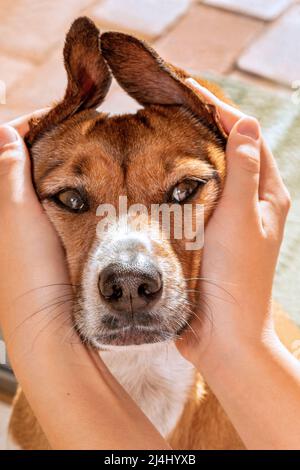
(280, 120)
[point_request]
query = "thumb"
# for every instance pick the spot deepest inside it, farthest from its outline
(243, 162)
(15, 173)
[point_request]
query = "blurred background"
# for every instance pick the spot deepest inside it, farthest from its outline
(256, 41)
(250, 47)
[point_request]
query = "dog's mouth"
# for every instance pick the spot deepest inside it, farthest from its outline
(142, 330)
(133, 335)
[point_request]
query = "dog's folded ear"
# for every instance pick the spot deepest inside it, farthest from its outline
(88, 77)
(150, 80)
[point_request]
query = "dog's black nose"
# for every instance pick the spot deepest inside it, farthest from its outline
(132, 285)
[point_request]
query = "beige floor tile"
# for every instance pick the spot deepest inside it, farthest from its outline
(259, 81)
(266, 10)
(12, 70)
(146, 18)
(7, 114)
(275, 55)
(30, 28)
(32, 94)
(208, 39)
(118, 102)
(40, 88)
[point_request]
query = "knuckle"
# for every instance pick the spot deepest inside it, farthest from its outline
(285, 201)
(281, 201)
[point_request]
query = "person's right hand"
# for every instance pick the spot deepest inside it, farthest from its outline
(242, 242)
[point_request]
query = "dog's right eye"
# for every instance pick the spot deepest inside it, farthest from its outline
(71, 199)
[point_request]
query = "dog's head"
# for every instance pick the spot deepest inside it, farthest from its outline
(133, 284)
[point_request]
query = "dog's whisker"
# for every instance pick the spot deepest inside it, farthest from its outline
(203, 311)
(207, 279)
(41, 310)
(60, 314)
(45, 287)
(209, 294)
(70, 332)
(218, 287)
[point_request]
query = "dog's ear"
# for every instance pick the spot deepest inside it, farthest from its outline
(88, 77)
(149, 80)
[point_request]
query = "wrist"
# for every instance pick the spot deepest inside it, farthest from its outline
(235, 352)
(249, 383)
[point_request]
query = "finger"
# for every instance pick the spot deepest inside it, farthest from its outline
(15, 171)
(21, 123)
(271, 186)
(228, 114)
(243, 164)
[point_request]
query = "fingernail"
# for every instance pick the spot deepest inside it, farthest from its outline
(196, 84)
(249, 127)
(8, 135)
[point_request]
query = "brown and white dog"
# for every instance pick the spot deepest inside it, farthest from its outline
(134, 293)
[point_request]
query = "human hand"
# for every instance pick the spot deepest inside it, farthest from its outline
(242, 242)
(33, 269)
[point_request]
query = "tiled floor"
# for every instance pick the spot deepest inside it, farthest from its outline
(190, 33)
(147, 18)
(275, 54)
(264, 9)
(198, 42)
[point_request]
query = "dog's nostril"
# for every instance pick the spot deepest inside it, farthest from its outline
(109, 290)
(144, 290)
(116, 292)
(149, 289)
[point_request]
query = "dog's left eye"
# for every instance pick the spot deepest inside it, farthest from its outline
(184, 190)
(71, 199)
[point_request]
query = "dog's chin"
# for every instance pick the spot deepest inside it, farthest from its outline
(132, 336)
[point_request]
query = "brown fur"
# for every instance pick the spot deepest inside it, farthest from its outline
(176, 135)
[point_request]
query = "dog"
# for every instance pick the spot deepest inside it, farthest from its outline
(135, 293)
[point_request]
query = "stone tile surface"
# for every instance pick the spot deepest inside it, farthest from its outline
(275, 55)
(147, 18)
(42, 87)
(118, 102)
(30, 28)
(208, 39)
(259, 81)
(32, 93)
(9, 113)
(266, 10)
(12, 69)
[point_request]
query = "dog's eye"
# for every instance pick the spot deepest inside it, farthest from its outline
(71, 199)
(185, 190)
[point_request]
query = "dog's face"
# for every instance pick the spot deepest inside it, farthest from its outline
(132, 285)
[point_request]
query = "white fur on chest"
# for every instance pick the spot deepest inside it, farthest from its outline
(156, 377)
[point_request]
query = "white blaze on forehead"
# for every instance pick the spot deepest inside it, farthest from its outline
(127, 221)
(122, 230)
(113, 229)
